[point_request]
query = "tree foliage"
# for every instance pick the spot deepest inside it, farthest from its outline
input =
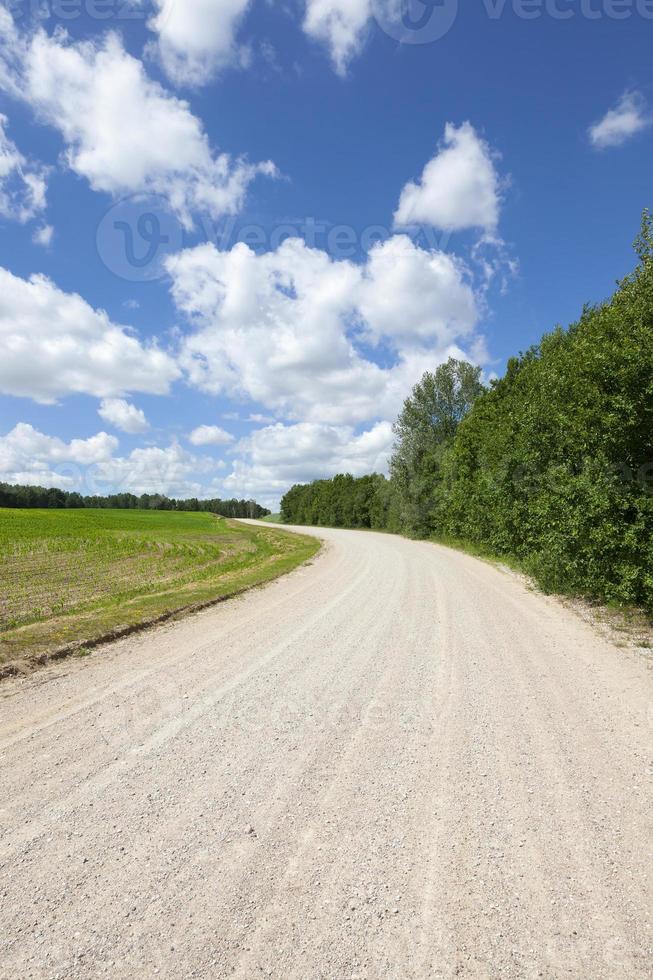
(424, 431)
(552, 464)
(50, 497)
(344, 501)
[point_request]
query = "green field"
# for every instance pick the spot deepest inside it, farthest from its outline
(272, 519)
(73, 575)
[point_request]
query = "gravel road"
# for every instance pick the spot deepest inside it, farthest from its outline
(396, 762)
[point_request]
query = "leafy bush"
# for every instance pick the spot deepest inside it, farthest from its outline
(552, 464)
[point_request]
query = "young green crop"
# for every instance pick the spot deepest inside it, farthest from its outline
(67, 575)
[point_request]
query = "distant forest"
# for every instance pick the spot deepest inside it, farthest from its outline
(44, 497)
(551, 465)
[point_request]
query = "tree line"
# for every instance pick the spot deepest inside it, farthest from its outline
(50, 497)
(341, 502)
(551, 465)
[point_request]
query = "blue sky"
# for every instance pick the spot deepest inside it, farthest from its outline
(234, 234)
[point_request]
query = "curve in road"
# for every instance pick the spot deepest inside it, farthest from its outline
(396, 762)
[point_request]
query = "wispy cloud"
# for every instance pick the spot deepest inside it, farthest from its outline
(629, 117)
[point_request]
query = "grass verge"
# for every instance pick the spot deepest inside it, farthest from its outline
(622, 625)
(478, 551)
(70, 579)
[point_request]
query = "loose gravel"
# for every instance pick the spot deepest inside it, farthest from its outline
(396, 762)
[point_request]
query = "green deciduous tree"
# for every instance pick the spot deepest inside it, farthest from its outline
(424, 431)
(552, 464)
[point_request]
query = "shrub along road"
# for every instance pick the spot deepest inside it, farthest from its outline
(396, 762)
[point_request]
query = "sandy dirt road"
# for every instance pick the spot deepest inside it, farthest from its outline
(395, 762)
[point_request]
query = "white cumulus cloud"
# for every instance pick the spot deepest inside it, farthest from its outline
(123, 131)
(277, 456)
(210, 435)
(123, 415)
(416, 296)
(55, 344)
(340, 25)
(196, 38)
(28, 456)
(172, 471)
(287, 329)
(629, 117)
(459, 187)
(90, 466)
